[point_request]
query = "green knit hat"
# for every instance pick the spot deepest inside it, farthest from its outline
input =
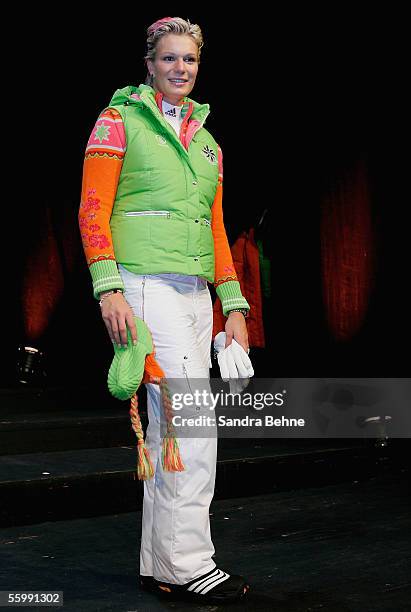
(127, 368)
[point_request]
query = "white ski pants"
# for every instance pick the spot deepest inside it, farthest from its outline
(176, 543)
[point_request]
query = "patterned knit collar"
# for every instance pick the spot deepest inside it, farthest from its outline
(171, 110)
(144, 94)
(186, 107)
(200, 111)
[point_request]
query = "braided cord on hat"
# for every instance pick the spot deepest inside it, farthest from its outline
(130, 367)
(170, 454)
(145, 469)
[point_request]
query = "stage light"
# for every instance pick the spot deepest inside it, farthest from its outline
(30, 368)
(378, 426)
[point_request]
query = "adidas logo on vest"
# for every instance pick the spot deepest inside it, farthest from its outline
(171, 112)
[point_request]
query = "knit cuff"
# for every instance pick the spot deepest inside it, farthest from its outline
(105, 276)
(231, 296)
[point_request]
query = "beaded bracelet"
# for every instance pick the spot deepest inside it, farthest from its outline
(110, 293)
(244, 311)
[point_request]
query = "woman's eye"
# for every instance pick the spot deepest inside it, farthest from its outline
(188, 59)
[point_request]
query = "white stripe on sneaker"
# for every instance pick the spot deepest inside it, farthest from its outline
(199, 582)
(210, 580)
(211, 586)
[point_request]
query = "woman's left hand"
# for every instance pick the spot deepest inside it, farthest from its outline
(236, 328)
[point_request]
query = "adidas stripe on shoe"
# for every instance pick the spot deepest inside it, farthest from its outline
(204, 584)
(216, 586)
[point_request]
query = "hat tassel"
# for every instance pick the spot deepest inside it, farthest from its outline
(145, 469)
(170, 454)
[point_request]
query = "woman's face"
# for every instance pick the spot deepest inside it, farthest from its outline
(176, 58)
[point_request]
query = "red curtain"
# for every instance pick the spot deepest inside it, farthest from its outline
(347, 251)
(49, 261)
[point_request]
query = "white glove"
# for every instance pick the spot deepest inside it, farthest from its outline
(234, 362)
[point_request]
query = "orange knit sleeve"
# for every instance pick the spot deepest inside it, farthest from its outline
(224, 267)
(101, 170)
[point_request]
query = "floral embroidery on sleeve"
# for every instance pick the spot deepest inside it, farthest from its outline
(94, 240)
(102, 166)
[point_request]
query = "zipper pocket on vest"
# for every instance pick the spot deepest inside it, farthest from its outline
(149, 213)
(207, 222)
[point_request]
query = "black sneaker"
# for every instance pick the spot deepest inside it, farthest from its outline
(148, 583)
(216, 586)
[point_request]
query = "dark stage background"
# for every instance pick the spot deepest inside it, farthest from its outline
(296, 102)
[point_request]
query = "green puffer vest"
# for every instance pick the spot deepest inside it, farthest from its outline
(161, 219)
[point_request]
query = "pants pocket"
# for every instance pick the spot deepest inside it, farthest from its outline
(134, 288)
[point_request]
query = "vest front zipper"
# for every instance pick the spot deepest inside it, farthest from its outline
(164, 123)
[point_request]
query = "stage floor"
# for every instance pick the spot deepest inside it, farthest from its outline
(336, 548)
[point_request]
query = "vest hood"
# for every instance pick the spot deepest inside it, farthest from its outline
(146, 94)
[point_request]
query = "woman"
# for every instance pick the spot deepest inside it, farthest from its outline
(152, 227)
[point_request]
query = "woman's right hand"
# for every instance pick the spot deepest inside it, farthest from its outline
(117, 316)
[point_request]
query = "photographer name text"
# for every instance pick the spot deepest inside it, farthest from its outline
(247, 421)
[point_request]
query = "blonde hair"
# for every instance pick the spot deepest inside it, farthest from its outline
(170, 25)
